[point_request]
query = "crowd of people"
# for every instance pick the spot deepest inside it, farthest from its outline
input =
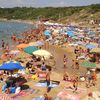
(60, 40)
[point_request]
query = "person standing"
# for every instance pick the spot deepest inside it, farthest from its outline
(3, 44)
(65, 61)
(48, 79)
(93, 78)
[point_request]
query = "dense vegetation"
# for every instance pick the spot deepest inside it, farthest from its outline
(47, 13)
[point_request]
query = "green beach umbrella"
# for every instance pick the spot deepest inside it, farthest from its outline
(88, 64)
(30, 49)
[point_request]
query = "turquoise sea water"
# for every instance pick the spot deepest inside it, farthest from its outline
(7, 28)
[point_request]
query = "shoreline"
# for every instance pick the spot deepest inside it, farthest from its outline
(18, 21)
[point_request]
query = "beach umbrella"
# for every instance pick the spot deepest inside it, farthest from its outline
(14, 52)
(5, 97)
(11, 65)
(80, 43)
(91, 33)
(95, 50)
(30, 49)
(81, 36)
(33, 44)
(47, 33)
(90, 46)
(39, 43)
(42, 53)
(21, 46)
(88, 64)
(70, 33)
(75, 38)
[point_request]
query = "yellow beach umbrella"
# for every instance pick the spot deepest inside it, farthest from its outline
(21, 46)
(95, 50)
(43, 53)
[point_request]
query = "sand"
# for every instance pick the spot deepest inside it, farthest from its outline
(57, 74)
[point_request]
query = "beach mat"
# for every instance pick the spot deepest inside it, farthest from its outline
(45, 85)
(52, 98)
(64, 95)
(24, 93)
(21, 94)
(80, 90)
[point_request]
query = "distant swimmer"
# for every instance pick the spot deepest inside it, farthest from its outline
(13, 37)
(3, 44)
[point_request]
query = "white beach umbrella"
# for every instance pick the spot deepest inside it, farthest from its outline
(42, 53)
(14, 52)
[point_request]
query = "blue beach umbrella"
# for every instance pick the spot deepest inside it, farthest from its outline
(12, 65)
(70, 33)
(90, 46)
(47, 33)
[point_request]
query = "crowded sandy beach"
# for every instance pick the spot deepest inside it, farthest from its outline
(52, 62)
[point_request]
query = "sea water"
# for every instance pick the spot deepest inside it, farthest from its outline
(7, 28)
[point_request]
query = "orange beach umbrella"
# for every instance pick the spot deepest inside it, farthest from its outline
(22, 46)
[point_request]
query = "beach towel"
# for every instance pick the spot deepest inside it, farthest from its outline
(45, 85)
(21, 94)
(64, 95)
(38, 98)
(80, 90)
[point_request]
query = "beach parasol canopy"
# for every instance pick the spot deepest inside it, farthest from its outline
(30, 49)
(14, 52)
(88, 64)
(70, 33)
(47, 33)
(11, 65)
(90, 46)
(22, 46)
(91, 33)
(5, 97)
(79, 43)
(42, 53)
(95, 50)
(33, 44)
(39, 43)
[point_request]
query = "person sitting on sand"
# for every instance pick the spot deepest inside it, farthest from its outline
(46, 97)
(75, 84)
(43, 67)
(65, 76)
(93, 78)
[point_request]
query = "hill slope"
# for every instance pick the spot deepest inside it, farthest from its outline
(56, 14)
